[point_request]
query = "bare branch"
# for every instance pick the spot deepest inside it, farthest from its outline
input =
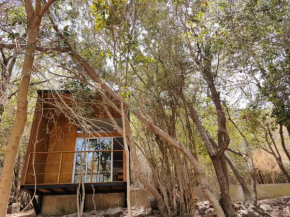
(235, 152)
(46, 7)
(31, 84)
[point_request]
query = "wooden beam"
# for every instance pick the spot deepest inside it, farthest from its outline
(65, 190)
(59, 168)
(51, 190)
(54, 152)
(27, 167)
(100, 134)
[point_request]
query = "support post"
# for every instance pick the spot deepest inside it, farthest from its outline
(37, 205)
(125, 197)
(27, 168)
(124, 167)
(92, 166)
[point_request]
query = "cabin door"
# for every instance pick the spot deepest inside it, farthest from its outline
(93, 159)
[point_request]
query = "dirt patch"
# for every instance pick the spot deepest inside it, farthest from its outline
(112, 212)
(25, 213)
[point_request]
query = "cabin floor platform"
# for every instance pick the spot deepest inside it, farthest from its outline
(72, 188)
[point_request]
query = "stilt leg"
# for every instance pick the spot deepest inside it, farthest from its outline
(37, 205)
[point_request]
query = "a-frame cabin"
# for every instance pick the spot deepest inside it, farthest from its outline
(61, 153)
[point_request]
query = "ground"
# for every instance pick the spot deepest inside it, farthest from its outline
(277, 207)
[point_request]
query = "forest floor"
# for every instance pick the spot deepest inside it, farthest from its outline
(276, 207)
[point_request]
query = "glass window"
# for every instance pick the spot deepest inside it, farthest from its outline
(93, 160)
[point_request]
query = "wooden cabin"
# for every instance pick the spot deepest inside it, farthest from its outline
(61, 152)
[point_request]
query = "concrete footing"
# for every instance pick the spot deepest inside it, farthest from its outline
(66, 204)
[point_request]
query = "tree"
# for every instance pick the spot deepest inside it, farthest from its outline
(34, 17)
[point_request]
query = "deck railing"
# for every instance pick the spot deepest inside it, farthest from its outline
(70, 166)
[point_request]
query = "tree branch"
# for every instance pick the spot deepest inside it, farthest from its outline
(46, 7)
(31, 84)
(29, 9)
(38, 48)
(235, 152)
(37, 6)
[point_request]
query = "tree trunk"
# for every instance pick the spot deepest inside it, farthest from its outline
(249, 161)
(20, 120)
(261, 177)
(283, 142)
(222, 135)
(288, 129)
(250, 164)
(225, 169)
(254, 186)
(225, 199)
(241, 180)
(127, 162)
(34, 20)
(282, 168)
(277, 154)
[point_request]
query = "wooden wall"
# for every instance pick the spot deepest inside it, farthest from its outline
(62, 138)
(52, 133)
(38, 142)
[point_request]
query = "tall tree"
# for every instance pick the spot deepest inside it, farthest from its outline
(34, 17)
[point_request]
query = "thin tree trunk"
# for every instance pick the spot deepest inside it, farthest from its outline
(283, 142)
(261, 177)
(277, 153)
(127, 162)
(288, 129)
(282, 168)
(249, 162)
(241, 180)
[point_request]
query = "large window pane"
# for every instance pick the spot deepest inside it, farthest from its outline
(97, 166)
